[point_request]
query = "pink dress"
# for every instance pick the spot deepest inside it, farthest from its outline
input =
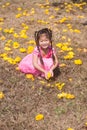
(26, 65)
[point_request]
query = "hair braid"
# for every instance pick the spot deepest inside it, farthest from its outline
(37, 44)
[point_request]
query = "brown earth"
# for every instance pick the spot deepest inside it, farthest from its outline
(24, 98)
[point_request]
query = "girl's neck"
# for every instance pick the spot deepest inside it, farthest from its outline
(45, 50)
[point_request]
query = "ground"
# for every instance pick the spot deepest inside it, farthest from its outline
(25, 98)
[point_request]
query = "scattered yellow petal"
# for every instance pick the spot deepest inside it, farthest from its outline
(16, 45)
(22, 50)
(39, 117)
(30, 49)
(17, 59)
(70, 129)
(48, 75)
(66, 95)
(62, 65)
(30, 76)
(70, 79)
(18, 15)
(17, 68)
(1, 95)
(60, 85)
(19, 8)
(7, 48)
(42, 82)
(86, 123)
(78, 62)
(77, 31)
(84, 50)
(2, 38)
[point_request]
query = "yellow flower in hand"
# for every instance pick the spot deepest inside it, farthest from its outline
(48, 75)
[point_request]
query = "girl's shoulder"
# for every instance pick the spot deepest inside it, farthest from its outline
(36, 51)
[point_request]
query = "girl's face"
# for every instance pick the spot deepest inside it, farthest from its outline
(44, 42)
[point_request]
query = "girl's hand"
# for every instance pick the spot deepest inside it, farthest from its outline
(45, 73)
(48, 74)
(52, 74)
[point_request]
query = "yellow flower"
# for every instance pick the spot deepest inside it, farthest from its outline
(19, 8)
(31, 42)
(11, 60)
(39, 117)
(16, 45)
(22, 50)
(48, 75)
(63, 20)
(2, 38)
(30, 76)
(18, 15)
(32, 11)
(7, 4)
(17, 59)
(1, 95)
(78, 62)
(70, 55)
(17, 68)
(15, 35)
(51, 17)
(57, 9)
(62, 65)
(70, 129)
(3, 55)
(7, 48)
(60, 85)
(0, 29)
(23, 35)
(77, 31)
(70, 79)
(1, 19)
(86, 123)
(66, 95)
(30, 49)
(42, 82)
(46, 11)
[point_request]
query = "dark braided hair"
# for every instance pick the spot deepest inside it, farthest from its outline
(48, 34)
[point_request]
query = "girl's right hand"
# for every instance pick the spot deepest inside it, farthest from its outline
(45, 73)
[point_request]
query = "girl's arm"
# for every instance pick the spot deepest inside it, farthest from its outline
(35, 63)
(55, 64)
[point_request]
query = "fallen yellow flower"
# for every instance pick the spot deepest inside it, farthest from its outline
(65, 95)
(30, 49)
(39, 117)
(77, 31)
(17, 68)
(7, 48)
(17, 59)
(60, 85)
(69, 56)
(48, 75)
(62, 65)
(30, 76)
(70, 129)
(78, 62)
(1, 95)
(22, 50)
(16, 45)
(86, 123)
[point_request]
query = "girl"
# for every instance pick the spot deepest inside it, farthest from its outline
(43, 59)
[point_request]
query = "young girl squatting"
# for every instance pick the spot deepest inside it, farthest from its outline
(43, 59)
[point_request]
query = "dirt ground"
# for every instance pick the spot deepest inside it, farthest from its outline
(24, 98)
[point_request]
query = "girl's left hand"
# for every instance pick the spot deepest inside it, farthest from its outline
(52, 74)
